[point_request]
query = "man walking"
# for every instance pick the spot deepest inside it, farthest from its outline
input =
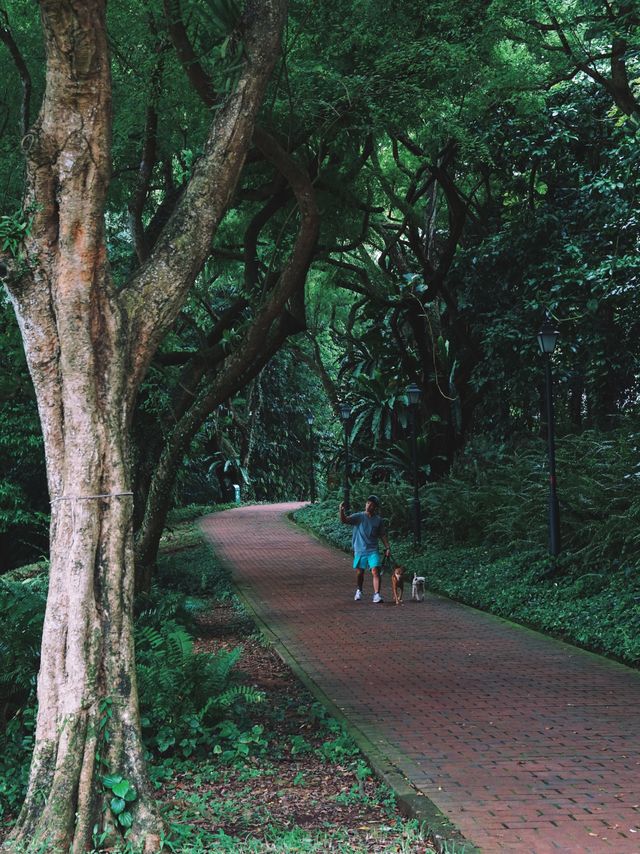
(368, 528)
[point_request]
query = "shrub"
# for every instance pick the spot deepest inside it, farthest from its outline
(198, 574)
(22, 605)
(191, 512)
(498, 498)
(183, 694)
(16, 746)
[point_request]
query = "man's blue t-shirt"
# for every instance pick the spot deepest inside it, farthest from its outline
(366, 531)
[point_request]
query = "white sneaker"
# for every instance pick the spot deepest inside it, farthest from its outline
(377, 598)
(358, 595)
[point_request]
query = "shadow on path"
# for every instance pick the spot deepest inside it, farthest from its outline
(524, 743)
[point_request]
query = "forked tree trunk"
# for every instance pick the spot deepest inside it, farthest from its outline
(88, 346)
(75, 338)
(159, 494)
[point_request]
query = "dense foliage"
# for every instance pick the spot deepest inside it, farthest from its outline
(486, 538)
(24, 504)
(424, 185)
(475, 167)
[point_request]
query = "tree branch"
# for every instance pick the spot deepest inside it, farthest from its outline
(21, 66)
(198, 77)
(154, 295)
(145, 169)
(251, 235)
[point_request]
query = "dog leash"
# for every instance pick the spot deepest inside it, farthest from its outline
(387, 563)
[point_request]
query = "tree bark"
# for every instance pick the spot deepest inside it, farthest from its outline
(88, 346)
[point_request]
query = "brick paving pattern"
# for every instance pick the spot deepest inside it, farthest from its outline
(525, 743)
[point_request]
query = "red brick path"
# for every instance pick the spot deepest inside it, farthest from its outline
(527, 744)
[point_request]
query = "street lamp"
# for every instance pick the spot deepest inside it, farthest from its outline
(345, 412)
(312, 476)
(547, 340)
(414, 393)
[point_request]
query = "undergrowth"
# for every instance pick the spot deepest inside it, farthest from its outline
(211, 740)
(485, 537)
(184, 696)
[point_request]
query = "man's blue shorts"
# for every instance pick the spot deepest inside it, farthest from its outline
(370, 561)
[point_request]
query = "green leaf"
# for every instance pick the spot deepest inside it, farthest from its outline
(112, 780)
(125, 819)
(165, 742)
(121, 789)
(117, 805)
(131, 794)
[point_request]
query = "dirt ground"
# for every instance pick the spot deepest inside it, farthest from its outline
(291, 786)
(309, 780)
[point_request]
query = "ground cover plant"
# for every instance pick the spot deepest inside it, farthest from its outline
(241, 756)
(486, 541)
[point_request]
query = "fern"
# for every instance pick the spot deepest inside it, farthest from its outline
(497, 498)
(22, 605)
(244, 693)
(148, 637)
(183, 694)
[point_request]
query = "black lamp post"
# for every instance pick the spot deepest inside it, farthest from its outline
(312, 474)
(345, 412)
(547, 339)
(414, 393)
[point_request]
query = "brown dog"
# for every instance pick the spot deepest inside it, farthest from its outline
(397, 583)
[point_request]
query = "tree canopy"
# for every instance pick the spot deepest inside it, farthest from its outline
(220, 217)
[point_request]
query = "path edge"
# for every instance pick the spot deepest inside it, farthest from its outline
(446, 837)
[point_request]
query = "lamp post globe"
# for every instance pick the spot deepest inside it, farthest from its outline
(547, 339)
(414, 393)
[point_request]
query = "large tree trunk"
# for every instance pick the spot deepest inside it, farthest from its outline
(88, 346)
(88, 712)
